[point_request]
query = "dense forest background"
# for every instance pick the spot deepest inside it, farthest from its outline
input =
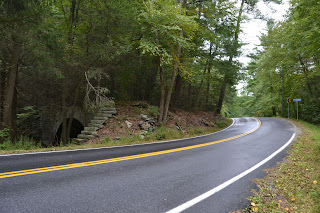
(286, 66)
(57, 55)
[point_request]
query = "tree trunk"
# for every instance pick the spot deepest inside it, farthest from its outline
(13, 132)
(11, 84)
(206, 69)
(282, 102)
(77, 94)
(207, 93)
(64, 132)
(221, 97)
(173, 77)
(189, 105)
(161, 108)
(306, 73)
(2, 87)
(177, 91)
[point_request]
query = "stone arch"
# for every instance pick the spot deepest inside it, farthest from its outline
(76, 128)
(51, 122)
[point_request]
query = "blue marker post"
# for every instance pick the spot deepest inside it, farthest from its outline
(297, 101)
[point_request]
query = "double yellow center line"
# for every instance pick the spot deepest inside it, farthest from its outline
(91, 163)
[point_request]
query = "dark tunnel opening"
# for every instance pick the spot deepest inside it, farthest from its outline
(76, 128)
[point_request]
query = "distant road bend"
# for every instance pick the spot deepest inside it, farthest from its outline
(211, 173)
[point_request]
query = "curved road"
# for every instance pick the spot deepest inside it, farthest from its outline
(210, 173)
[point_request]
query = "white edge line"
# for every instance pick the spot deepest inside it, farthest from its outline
(198, 199)
(111, 147)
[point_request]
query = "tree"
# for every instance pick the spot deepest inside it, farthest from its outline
(166, 31)
(19, 19)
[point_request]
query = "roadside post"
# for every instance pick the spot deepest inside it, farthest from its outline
(288, 101)
(297, 101)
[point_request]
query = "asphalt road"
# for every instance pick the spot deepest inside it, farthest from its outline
(155, 178)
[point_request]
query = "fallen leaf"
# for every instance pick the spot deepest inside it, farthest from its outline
(315, 182)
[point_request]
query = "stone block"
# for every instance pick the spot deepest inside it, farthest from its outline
(87, 128)
(88, 132)
(82, 136)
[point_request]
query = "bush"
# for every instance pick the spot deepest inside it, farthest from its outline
(4, 134)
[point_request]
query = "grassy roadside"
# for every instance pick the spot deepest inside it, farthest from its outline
(294, 185)
(163, 133)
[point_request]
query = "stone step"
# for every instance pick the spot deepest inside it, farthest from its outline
(82, 136)
(90, 128)
(100, 118)
(88, 132)
(108, 109)
(108, 112)
(97, 121)
(98, 126)
(79, 140)
(107, 115)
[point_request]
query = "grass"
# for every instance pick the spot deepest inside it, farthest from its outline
(161, 134)
(294, 185)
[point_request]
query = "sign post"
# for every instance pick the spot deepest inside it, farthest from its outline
(288, 101)
(297, 101)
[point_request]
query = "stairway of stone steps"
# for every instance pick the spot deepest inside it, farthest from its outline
(98, 122)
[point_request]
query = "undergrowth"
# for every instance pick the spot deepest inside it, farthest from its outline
(160, 134)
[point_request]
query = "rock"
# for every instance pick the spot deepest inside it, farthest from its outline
(152, 122)
(116, 138)
(144, 125)
(129, 124)
(203, 122)
(141, 136)
(144, 117)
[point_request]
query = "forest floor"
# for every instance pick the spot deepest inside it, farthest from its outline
(294, 184)
(135, 123)
(181, 124)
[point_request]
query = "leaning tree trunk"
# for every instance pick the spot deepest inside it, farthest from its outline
(221, 97)
(173, 79)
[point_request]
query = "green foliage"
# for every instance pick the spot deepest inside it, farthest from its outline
(23, 143)
(154, 111)
(4, 133)
(162, 22)
(289, 56)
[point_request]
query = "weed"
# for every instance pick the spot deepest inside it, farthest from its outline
(220, 124)
(154, 111)
(107, 140)
(138, 111)
(23, 143)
